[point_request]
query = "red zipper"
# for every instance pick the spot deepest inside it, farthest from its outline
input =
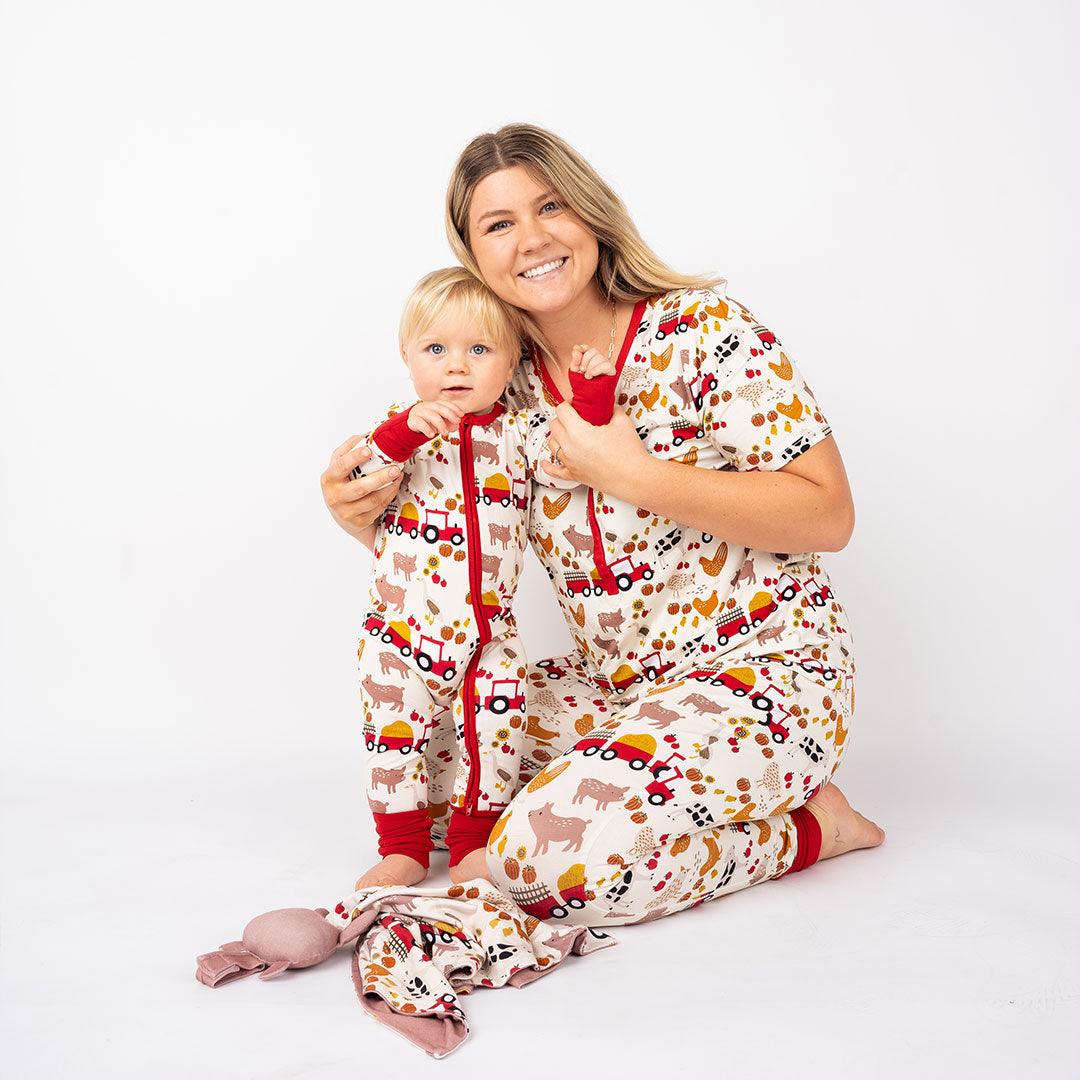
(607, 578)
(476, 591)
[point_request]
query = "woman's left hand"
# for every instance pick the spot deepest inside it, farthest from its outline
(600, 457)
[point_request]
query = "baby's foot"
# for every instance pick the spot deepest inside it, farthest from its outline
(393, 870)
(474, 865)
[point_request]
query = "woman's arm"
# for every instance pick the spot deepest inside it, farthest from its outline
(805, 506)
(357, 505)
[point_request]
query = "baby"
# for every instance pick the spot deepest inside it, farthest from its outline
(440, 635)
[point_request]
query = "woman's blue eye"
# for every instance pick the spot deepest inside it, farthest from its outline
(551, 205)
(497, 226)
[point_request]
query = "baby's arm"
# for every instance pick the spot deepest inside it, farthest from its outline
(397, 439)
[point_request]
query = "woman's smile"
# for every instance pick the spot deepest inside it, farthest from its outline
(544, 270)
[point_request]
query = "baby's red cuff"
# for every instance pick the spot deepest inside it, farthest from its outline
(395, 439)
(467, 832)
(593, 399)
(406, 833)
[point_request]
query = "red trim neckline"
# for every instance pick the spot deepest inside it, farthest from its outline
(631, 333)
(484, 418)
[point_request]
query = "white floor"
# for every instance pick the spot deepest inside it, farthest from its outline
(950, 951)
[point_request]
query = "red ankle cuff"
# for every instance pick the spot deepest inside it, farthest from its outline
(807, 840)
(405, 833)
(467, 832)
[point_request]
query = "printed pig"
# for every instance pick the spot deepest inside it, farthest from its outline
(549, 826)
(604, 794)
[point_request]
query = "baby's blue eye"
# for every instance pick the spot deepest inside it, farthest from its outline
(436, 349)
(479, 350)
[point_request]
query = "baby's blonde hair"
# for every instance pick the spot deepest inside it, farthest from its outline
(477, 303)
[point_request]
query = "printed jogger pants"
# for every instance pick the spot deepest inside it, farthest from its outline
(672, 793)
(424, 751)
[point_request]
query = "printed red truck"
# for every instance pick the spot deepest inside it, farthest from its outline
(740, 681)
(505, 694)
(733, 621)
(761, 607)
(678, 323)
(397, 634)
(407, 520)
(630, 573)
(636, 750)
(766, 337)
(496, 489)
(681, 432)
(787, 587)
(658, 791)
(654, 666)
(433, 533)
(397, 736)
(536, 900)
(551, 669)
(811, 666)
(429, 657)
(817, 594)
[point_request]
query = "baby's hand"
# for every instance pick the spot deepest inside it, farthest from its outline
(590, 362)
(433, 418)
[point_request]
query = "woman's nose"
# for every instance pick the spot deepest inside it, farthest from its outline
(532, 236)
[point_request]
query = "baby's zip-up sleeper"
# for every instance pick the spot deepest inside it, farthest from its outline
(442, 670)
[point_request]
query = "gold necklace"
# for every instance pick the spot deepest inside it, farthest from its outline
(611, 346)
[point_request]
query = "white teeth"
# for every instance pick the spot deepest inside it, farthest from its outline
(536, 271)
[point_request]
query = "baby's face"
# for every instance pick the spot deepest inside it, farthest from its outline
(453, 359)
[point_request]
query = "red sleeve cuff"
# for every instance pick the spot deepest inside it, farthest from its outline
(406, 833)
(593, 399)
(395, 439)
(467, 832)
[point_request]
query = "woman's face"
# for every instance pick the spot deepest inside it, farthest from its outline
(532, 251)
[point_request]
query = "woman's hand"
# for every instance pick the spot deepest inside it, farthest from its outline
(357, 505)
(393, 870)
(599, 457)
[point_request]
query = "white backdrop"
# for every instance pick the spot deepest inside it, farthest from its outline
(211, 213)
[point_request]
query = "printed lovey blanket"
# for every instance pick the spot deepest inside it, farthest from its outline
(418, 951)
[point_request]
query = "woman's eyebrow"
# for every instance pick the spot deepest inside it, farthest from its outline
(494, 213)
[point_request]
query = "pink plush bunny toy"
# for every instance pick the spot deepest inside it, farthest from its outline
(279, 940)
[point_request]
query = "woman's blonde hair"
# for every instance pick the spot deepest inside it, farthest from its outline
(476, 302)
(627, 270)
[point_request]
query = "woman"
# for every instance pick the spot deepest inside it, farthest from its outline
(687, 745)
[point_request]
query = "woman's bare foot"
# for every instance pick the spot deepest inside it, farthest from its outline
(842, 829)
(474, 865)
(393, 870)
